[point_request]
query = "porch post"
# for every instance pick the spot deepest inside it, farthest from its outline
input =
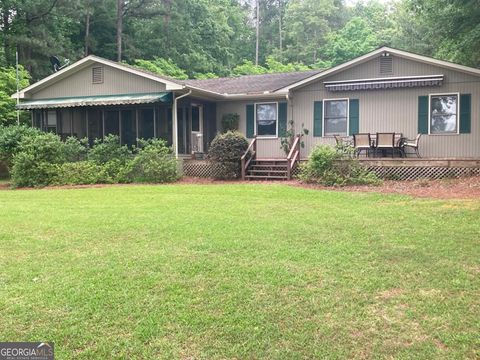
(174, 125)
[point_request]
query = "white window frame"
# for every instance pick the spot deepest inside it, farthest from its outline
(255, 120)
(323, 116)
(430, 113)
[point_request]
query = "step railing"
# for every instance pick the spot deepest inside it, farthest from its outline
(249, 155)
(293, 156)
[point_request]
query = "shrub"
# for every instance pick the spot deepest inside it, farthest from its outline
(330, 166)
(35, 163)
(75, 149)
(226, 151)
(230, 122)
(109, 149)
(154, 163)
(81, 172)
(10, 139)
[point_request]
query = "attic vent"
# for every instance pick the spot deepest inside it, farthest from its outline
(97, 75)
(386, 65)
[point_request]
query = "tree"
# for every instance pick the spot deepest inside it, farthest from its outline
(355, 39)
(8, 86)
(162, 67)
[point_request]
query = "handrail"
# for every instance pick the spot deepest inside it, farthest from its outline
(293, 156)
(252, 149)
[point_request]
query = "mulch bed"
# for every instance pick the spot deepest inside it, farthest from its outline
(462, 188)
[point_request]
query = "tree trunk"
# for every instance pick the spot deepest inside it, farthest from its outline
(87, 33)
(280, 40)
(120, 6)
(258, 31)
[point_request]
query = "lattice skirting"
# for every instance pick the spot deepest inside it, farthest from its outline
(199, 168)
(424, 172)
(204, 169)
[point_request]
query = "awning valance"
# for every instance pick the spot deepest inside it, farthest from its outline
(384, 83)
(103, 100)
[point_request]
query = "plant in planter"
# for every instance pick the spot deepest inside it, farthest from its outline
(230, 122)
(286, 141)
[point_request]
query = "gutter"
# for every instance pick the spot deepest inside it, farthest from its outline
(175, 119)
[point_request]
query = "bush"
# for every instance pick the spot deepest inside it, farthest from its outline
(75, 149)
(80, 173)
(154, 163)
(330, 166)
(230, 122)
(109, 149)
(10, 139)
(226, 151)
(35, 163)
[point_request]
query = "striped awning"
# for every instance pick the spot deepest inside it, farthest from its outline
(384, 83)
(103, 100)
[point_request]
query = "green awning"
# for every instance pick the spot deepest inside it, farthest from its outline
(103, 100)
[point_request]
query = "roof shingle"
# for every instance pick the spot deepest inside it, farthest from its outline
(250, 84)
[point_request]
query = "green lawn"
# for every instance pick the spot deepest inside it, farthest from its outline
(239, 271)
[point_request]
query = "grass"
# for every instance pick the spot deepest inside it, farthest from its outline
(239, 271)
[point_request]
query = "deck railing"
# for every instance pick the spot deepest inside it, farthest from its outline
(293, 156)
(249, 155)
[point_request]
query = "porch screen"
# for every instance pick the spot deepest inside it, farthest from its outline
(145, 123)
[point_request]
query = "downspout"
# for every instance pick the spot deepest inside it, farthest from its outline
(175, 120)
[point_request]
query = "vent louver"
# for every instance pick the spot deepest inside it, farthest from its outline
(97, 75)
(386, 65)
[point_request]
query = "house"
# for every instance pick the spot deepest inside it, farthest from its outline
(386, 90)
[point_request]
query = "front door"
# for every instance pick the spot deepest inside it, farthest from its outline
(196, 126)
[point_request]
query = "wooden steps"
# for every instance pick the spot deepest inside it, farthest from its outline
(267, 169)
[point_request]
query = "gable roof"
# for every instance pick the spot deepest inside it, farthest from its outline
(169, 83)
(251, 84)
(377, 52)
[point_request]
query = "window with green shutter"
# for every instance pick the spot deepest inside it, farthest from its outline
(282, 118)
(354, 117)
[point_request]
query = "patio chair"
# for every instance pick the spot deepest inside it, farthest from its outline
(385, 141)
(413, 144)
(362, 142)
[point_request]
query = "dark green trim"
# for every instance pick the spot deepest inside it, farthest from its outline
(282, 118)
(423, 114)
(465, 113)
(353, 116)
(250, 111)
(317, 118)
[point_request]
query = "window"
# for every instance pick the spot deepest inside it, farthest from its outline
(443, 114)
(266, 119)
(335, 118)
(97, 75)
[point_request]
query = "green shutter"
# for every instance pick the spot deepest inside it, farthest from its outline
(317, 118)
(423, 114)
(282, 119)
(465, 113)
(354, 117)
(250, 121)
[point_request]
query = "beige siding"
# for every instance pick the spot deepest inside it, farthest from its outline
(266, 148)
(396, 110)
(115, 82)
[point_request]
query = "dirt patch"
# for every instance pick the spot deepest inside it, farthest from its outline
(389, 294)
(462, 188)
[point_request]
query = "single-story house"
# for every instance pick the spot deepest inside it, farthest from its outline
(386, 90)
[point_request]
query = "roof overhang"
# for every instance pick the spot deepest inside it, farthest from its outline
(384, 83)
(123, 99)
(375, 53)
(85, 62)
